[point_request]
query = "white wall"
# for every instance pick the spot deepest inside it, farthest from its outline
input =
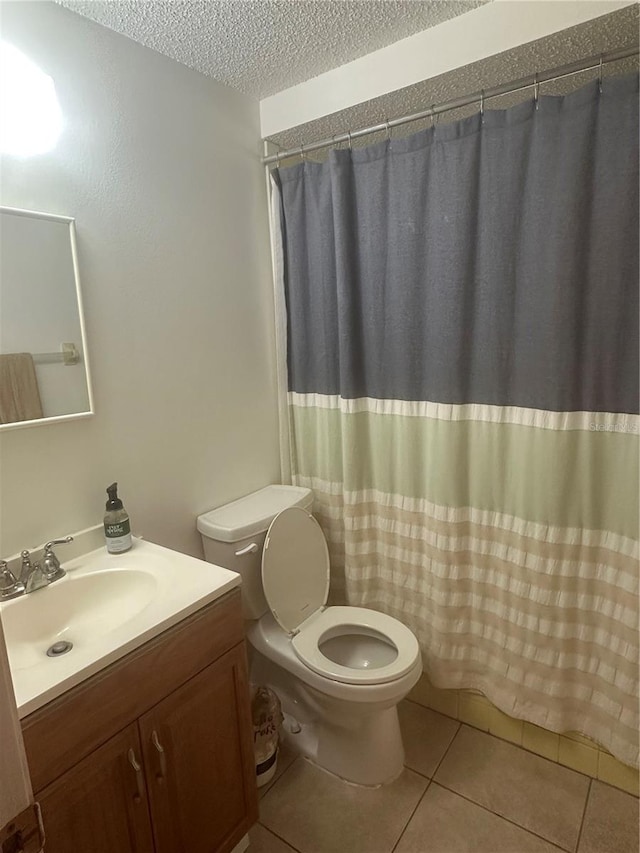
(160, 167)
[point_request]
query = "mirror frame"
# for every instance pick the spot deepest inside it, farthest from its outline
(70, 221)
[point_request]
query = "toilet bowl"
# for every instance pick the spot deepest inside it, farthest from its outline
(339, 671)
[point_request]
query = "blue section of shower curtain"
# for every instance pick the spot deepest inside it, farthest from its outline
(490, 261)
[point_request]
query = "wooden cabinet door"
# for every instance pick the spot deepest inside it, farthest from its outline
(100, 805)
(198, 754)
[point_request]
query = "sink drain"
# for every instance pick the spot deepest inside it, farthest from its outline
(59, 648)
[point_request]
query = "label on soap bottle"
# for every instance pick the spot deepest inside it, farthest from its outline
(118, 536)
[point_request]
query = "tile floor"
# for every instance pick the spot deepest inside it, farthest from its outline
(462, 791)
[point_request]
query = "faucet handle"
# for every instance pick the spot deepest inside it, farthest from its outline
(49, 545)
(50, 563)
(26, 569)
(10, 586)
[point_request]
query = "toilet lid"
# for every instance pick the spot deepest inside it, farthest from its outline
(295, 567)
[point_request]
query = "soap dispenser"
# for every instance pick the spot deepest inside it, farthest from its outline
(117, 530)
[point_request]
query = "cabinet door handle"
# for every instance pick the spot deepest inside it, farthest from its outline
(139, 777)
(163, 756)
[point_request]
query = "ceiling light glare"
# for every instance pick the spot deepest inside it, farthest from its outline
(30, 115)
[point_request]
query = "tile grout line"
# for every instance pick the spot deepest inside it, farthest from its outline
(261, 799)
(435, 711)
(503, 817)
(444, 755)
(535, 754)
(279, 837)
(429, 783)
(596, 746)
(446, 752)
(274, 782)
(584, 813)
(404, 828)
(457, 793)
(493, 734)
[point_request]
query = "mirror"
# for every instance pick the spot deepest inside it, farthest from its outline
(44, 372)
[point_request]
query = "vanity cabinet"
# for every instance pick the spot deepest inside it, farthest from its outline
(195, 781)
(155, 753)
(99, 805)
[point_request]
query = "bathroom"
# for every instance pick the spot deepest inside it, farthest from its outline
(160, 166)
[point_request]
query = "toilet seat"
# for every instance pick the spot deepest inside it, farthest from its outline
(307, 642)
(297, 601)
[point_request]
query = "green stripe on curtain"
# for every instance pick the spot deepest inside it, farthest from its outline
(505, 468)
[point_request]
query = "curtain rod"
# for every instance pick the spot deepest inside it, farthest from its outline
(532, 81)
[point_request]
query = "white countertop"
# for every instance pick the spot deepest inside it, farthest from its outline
(107, 605)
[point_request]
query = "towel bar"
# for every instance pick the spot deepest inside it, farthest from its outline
(68, 355)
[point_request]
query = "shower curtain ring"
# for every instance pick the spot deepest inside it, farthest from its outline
(277, 159)
(536, 90)
(303, 156)
(386, 121)
(434, 116)
(349, 135)
(482, 105)
(600, 75)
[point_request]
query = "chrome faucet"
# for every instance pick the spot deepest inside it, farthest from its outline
(31, 574)
(34, 576)
(51, 568)
(10, 586)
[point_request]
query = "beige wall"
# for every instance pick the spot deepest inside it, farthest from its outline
(160, 168)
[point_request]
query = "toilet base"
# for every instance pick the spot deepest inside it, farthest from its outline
(347, 752)
(360, 743)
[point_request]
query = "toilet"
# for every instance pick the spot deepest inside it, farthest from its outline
(339, 671)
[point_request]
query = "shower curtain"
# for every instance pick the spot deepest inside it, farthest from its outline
(462, 352)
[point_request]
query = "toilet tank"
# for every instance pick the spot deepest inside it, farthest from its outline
(233, 537)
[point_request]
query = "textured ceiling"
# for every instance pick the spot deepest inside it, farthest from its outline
(264, 46)
(616, 30)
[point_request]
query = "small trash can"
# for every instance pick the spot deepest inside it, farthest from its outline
(266, 715)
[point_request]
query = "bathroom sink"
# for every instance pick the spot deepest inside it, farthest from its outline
(80, 609)
(105, 606)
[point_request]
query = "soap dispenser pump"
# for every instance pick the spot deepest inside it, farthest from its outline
(117, 530)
